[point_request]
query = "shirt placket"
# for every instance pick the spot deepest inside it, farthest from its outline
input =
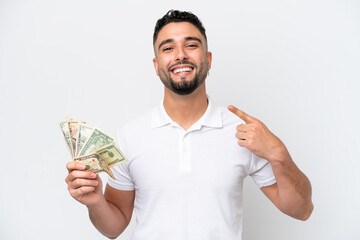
(184, 152)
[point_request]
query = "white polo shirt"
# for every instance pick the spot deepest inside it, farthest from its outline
(188, 184)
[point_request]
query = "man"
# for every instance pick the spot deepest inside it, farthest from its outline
(186, 168)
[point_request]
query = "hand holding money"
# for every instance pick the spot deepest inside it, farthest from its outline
(91, 146)
(84, 186)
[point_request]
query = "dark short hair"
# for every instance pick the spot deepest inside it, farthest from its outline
(178, 16)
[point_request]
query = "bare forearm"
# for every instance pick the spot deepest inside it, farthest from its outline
(292, 193)
(107, 218)
(294, 189)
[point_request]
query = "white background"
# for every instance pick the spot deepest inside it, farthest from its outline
(293, 64)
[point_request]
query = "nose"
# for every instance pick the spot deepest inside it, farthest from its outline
(181, 54)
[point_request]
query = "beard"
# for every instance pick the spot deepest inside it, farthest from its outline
(184, 87)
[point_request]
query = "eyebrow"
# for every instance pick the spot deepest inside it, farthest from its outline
(165, 42)
(193, 39)
(171, 40)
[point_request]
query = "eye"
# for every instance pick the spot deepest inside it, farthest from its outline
(167, 49)
(192, 45)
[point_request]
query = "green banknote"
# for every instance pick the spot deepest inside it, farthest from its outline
(95, 164)
(91, 146)
(111, 154)
(84, 132)
(65, 130)
(73, 131)
(96, 140)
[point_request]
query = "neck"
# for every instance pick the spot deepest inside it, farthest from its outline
(186, 110)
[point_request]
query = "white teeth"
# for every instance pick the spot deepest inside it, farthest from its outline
(185, 69)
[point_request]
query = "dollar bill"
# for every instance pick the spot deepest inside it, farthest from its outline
(96, 140)
(65, 130)
(95, 164)
(111, 154)
(91, 146)
(84, 132)
(73, 129)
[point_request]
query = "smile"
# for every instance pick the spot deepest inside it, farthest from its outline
(181, 70)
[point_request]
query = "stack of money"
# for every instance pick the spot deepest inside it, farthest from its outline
(91, 146)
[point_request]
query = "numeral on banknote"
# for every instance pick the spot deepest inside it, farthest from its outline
(91, 146)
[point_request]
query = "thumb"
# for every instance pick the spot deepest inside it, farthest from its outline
(247, 118)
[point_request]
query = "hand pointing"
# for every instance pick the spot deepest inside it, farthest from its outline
(242, 115)
(256, 137)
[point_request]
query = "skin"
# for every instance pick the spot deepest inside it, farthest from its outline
(183, 109)
(292, 192)
(182, 42)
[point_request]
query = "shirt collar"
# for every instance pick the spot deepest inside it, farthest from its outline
(211, 118)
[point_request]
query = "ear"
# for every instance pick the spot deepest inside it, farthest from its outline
(209, 59)
(155, 61)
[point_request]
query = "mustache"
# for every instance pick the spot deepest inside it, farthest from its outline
(181, 63)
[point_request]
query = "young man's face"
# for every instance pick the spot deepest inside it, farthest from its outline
(181, 57)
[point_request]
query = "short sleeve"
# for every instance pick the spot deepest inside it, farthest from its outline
(261, 172)
(123, 179)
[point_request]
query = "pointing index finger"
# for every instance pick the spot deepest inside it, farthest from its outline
(240, 113)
